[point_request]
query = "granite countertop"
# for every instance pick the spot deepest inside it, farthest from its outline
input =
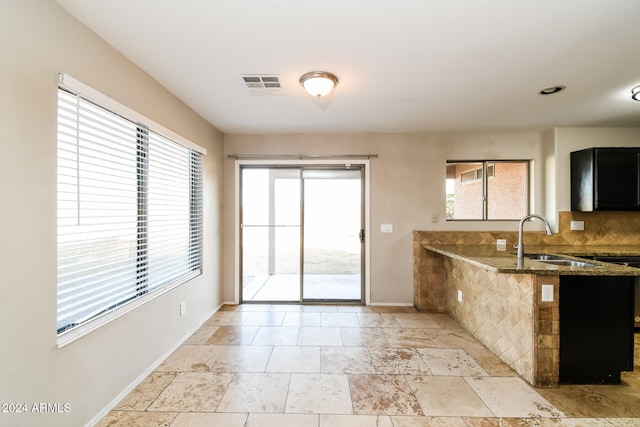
(503, 260)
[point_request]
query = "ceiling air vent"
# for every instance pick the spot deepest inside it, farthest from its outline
(263, 84)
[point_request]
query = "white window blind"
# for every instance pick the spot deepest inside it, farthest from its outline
(129, 211)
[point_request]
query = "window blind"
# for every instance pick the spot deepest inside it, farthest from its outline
(129, 211)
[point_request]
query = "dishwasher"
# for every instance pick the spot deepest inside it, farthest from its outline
(629, 261)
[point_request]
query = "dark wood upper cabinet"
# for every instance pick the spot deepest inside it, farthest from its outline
(605, 179)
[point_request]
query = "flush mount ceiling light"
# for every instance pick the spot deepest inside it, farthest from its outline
(551, 90)
(635, 93)
(319, 83)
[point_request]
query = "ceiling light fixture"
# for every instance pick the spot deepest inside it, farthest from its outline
(318, 83)
(635, 93)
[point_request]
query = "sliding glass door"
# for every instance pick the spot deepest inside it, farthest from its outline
(301, 233)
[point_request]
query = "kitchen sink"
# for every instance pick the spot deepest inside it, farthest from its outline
(558, 260)
(570, 263)
(545, 257)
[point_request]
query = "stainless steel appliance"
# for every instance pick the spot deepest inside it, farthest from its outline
(631, 261)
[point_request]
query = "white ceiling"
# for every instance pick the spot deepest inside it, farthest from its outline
(403, 65)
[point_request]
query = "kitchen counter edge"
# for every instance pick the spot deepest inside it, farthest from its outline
(503, 260)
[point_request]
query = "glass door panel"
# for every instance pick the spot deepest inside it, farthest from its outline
(332, 247)
(270, 234)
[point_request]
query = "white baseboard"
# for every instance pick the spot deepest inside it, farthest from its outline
(146, 372)
(380, 304)
(392, 304)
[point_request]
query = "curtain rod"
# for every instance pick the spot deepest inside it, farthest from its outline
(300, 156)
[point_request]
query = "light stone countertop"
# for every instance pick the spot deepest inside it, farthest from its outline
(504, 261)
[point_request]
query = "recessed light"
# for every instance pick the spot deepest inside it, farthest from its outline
(551, 90)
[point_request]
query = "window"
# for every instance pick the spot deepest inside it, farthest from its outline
(502, 195)
(129, 211)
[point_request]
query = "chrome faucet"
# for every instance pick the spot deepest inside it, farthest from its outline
(520, 245)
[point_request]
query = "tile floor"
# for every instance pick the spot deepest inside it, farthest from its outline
(335, 366)
(286, 287)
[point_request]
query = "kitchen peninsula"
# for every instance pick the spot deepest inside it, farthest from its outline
(479, 285)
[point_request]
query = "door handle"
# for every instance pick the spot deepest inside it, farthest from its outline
(361, 235)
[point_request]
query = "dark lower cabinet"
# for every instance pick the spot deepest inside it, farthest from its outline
(596, 329)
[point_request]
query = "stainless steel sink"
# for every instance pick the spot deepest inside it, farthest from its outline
(544, 257)
(570, 263)
(558, 260)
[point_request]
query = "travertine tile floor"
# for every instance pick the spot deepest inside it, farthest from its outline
(335, 366)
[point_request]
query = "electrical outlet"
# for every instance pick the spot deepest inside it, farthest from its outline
(501, 244)
(547, 293)
(577, 225)
(435, 217)
(459, 296)
(183, 308)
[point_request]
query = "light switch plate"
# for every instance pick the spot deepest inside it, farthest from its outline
(386, 228)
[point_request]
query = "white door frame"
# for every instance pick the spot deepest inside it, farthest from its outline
(236, 217)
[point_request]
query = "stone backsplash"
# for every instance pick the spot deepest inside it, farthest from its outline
(522, 330)
(600, 228)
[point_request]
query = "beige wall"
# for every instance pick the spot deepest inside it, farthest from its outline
(407, 186)
(549, 177)
(38, 40)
